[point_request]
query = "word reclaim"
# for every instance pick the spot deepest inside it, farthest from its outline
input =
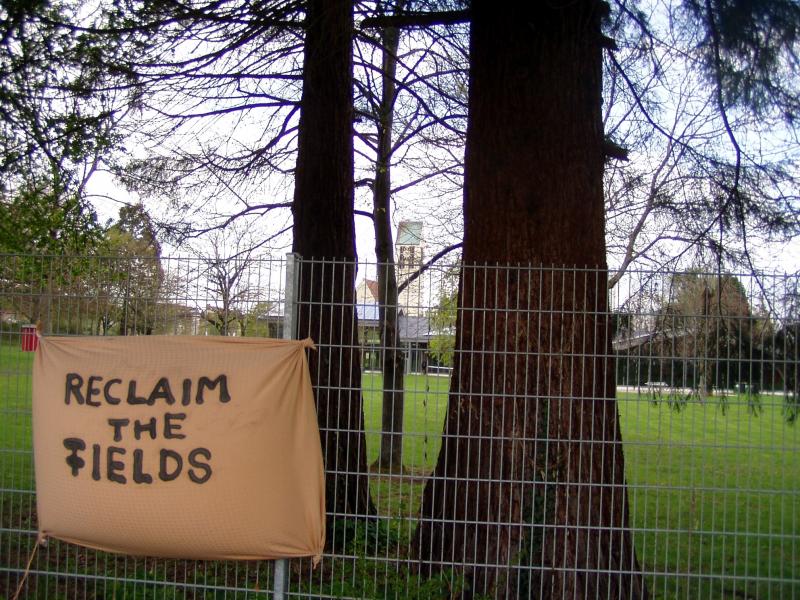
(111, 462)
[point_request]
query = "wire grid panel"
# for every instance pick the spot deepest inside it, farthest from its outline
(472, 448)
(115, 296)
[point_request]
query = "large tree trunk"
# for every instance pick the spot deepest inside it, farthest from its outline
(324, 229)
(528, 491)
(393, 363)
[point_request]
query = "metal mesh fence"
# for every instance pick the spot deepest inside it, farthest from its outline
(545, 437)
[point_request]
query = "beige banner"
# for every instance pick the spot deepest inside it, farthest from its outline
(182, 447)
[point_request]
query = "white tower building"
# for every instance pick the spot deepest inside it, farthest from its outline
(410, 254)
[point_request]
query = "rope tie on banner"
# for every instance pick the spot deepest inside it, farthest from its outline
(308, 343)
(39, 541)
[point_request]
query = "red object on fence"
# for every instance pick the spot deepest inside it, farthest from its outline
(29, 339)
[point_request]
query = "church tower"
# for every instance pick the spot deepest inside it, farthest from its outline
(409, 259)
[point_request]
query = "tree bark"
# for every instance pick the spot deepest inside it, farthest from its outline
(528, 491)
(324, 230)
(393, 359)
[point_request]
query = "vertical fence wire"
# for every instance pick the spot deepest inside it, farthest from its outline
(558, 439)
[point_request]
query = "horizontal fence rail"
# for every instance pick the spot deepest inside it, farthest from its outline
(538, 435)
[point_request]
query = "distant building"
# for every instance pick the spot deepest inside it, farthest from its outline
(413, 324)
(410, 254)
(413, 330)
(367, 300)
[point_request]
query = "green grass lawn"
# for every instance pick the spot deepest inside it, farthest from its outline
(15, 417)
(714, 495)
(715, 499)
(424, 411)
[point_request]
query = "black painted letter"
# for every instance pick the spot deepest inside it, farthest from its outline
(91, 390)
(96, 462)
(203, 466)
(164, 474)
(113, 400)
(138, 428)
(206, 382)
(75, 462)
(138, 475)
(118, 424)
(161, 390)
(113, 467)
(170, 427)
(132, 397)
(74, 383)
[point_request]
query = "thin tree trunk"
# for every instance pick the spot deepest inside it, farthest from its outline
(324, 229)
(393, 363)
(528, 491)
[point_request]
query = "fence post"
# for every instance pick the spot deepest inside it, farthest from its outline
(280, 579)
(290, 296)
(280, 575)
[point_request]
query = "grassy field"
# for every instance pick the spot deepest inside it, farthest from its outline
(15, 417)
(715, 498)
